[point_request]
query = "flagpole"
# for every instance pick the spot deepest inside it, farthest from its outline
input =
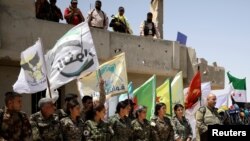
(44, 63)
(201, 91)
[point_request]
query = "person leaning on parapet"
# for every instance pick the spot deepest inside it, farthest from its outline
(72, 14)
(62, 113)
(45, 124)
(14, 124)
(55, 13)
(206, 115)
(42, 9)
(148, 27)
(97, 18)
(120, 22)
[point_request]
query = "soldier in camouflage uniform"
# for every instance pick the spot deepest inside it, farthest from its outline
(121, 124)
(141, 126)
(131, 115)
(14, 124)
(87, 102)
(45, 124)
(162, 129)
(206, 115)
(182, 127)
(62, 112)
(72, 126)
(96, 129)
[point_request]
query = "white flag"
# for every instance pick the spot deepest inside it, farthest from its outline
(190, 113)
(32, 77)
(73, 55)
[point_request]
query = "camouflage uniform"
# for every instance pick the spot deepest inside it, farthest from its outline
(45, 129)
(141, 131)
(97, 132)
(162, 130)
(61, 113)
(182, 129)
(122, 128)
(72, 131)
(14, 126)
(204, 117)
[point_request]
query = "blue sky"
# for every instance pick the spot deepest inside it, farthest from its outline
(219, 30)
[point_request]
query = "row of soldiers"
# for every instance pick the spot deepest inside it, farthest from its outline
(72, 123)
(96, 18)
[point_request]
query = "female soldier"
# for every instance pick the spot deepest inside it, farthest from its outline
(120, 123)
(182, 127)
(141, 126)
(162, 129)
(96, 129)
(72, 126)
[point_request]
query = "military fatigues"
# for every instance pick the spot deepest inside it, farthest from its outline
(45, 129)
(14, 126)
(61, 113)
(141, 131)
(182, 129)
(204, 117)
(122, 128)
(162, 130)
(97, 132)
(72, 131)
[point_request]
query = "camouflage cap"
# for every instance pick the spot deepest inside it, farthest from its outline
(44, 100)
(140, 108)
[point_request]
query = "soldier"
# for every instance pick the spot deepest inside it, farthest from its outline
(96, 129)
(72, 126)
(131, 104)
(87, 102)
(62, 112)
(148, 27)
(141, 126)
(182, 127)
(162, 129)
(120, 123)
(45, 123)
(206, 115)
(14, 124)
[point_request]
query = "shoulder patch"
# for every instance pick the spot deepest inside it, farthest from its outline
(202, 109)
(86, 133)
(153, 124)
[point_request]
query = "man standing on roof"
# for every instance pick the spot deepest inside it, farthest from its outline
(97, 18)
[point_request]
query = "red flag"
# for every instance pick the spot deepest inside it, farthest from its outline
(194, 91)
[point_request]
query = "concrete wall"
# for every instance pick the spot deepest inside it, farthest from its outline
(20, 29)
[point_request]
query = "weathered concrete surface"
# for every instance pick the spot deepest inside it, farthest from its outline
(20, 29)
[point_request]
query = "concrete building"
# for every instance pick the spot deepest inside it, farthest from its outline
(20, 29)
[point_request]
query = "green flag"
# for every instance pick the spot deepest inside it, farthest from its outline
(239, 88)
(145, 96)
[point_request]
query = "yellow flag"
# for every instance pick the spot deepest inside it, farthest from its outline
(163, 95)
